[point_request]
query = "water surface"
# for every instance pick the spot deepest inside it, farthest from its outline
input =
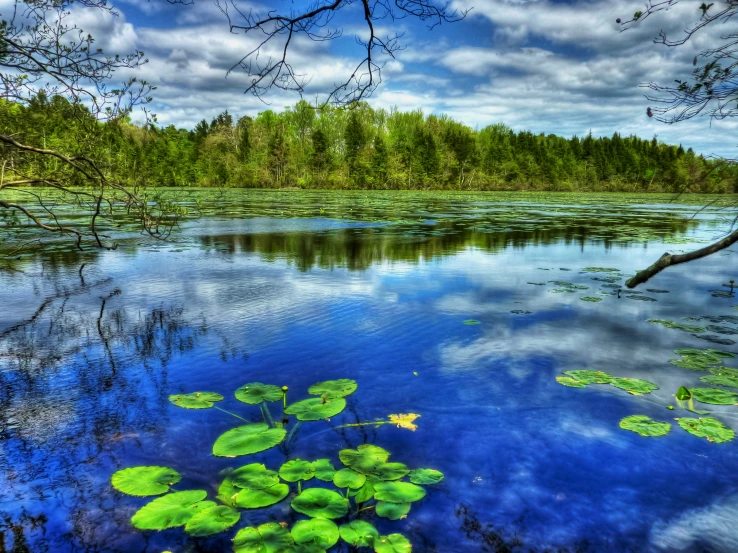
(295, 288)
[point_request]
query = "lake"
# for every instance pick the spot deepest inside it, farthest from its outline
(462, 308)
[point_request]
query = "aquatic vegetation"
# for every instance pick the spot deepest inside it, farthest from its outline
(169, 511)
(707, 427)
(256, 392)
(196, 400)
(571, 382)
(714, 396)
(699, 360)
(471, 322)
(679, 326)
(715, 339)
(590, 299)
(645, 426)
(368, 480)
(247, 439)
(521, 312)
(590, 377)
(599, 270)
(144, 481)
(580, 378)
(634, 386)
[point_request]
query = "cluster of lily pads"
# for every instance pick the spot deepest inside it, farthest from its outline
(719, 331)
(706, 427)
(367, 481)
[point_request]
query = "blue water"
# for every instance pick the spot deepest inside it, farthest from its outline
(530, 465)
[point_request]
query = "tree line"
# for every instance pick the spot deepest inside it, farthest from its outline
(355, 148)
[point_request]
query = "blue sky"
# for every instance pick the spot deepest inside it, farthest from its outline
(551, 66)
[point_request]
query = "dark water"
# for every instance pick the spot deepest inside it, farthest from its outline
(298, 288)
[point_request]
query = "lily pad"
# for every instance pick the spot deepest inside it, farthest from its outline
(195, 400)
(634, 386)
(571, 382)
(333, 388)
(366, 456)
(723, 354)
(591, 299)
(394, 543)
(247, 439)
(722, 329)
(426, 476)
(693, 363)
(256, 392)
(590, 377)
(388, 471)
(212, 521)
(297, 469)
(254, 476)
(347, 478)
(714, 396)
(358, 533)
(324, 470)
(319, 531)
(679, 326)
(709, 428)
(392, 511)
(471, 322)
(683, 393)
(315, 409)
(255, 499)
(227, 493)
(645, 426)
(721, 380)
(145, 481)
(175, 509)
(398, 492)
(267, 538)
(365, 493)
(319, 502)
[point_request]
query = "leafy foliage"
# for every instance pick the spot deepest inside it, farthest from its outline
(333, 388)
(707, 427)
(195, 400)
(358, 533)
(645, 426)
(715, 396)
(316, 409)
(143, 481)
(319, 531)
(392, 511)
(212, 521)
(398, 492)
(171, 510)
(319, 502)
(426, 476)
(247, 439)
(256, 392)
(297, 469)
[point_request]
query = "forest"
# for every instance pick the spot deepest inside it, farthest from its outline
(351, 148)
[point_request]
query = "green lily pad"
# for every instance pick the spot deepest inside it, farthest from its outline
(723, 354)
(599, 270)
(256, 392)
(683, 393)
(171, 510)
(679, 326)
(714, 396)
(297, 469)
(347, 478)
(471, 322)
(394, 543)
(319, 531)
(365, 493)
(590, 377)
(333, 388)
(227, 493)
(645, 426)
(709, 428)
(693, 363)
(316, 409)
(144, 481)
(388, 471)
(358, 533)
(247, 439)
(324, 470)
(366, 456)
(426, 476)
(212, 521)
(255, 499)
(634, 386)
(195, 400)
(591, 299)
(254, 476)
(398, 492)
(392, 511)
(721, 380)
(319, 502)
(571, 382)
(267, 538)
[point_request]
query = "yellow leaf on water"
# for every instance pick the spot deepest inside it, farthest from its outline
(405, 420)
